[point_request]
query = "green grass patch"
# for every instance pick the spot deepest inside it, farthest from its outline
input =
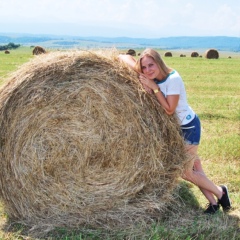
(10, 62)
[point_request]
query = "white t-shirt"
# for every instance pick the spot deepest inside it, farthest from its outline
(173, 85)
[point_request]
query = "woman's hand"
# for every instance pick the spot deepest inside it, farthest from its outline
(148, 84)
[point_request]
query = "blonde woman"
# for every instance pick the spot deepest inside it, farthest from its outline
(168, 87)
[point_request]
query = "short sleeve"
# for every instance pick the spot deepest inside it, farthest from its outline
(174, 85)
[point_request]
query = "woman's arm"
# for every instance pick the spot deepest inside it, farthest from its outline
(128, 59)
(169, 103)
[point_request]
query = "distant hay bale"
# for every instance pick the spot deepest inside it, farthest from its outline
(7, 52)
(182, 55)
(131, 52)
(168, 54)
(83, 144)
(194, 54)
(212, 54)
(38, 50)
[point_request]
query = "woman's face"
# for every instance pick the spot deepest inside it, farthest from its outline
(149, 67)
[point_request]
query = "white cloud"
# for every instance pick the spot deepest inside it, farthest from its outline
(226, 17)
(152, 18)
(219, 20)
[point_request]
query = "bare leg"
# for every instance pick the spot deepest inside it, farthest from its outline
(195, 174)
(198, 168)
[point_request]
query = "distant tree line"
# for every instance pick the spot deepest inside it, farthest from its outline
(9, 46)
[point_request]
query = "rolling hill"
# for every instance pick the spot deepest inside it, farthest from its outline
(221, 43)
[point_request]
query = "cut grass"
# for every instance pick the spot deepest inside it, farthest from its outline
(213, 90)
(10, 62)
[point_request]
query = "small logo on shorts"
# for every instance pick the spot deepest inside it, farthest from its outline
(188, 117)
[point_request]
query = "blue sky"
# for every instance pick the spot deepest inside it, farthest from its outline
(117, 18)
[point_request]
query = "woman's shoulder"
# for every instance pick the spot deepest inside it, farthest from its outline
(175, 78)
(174, 74)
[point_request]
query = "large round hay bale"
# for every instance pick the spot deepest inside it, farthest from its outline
(212, 54)
(131, 52)
(194, 54)
(82, 144)
(168, 54)
(38, 50)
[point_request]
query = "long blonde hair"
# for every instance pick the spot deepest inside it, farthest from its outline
(164, 69)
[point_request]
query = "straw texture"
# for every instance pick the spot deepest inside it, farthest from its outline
(81, 143)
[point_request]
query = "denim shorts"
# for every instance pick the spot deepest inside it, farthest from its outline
(192, 131)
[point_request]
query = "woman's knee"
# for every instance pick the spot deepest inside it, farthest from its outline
(187, 175)
(197, 165)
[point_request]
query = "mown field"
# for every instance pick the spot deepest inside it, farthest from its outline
(213, 88)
